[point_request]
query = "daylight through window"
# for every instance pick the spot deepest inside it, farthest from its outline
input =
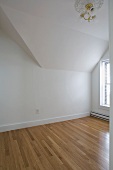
(105, 83)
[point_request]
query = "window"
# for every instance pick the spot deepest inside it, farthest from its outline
(105, 83)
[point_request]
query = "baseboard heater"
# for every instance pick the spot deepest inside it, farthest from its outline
(99, 116)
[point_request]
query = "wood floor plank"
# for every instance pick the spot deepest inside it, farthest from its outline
(80, 144)
(77, 152)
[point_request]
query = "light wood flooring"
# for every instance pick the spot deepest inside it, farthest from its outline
(81, 144)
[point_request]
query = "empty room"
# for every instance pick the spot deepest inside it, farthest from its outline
(56, 85)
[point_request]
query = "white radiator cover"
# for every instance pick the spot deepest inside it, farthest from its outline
(100, 116)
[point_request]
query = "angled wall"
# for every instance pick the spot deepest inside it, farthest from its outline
(56, 46)
(30, 95)
(9, 29)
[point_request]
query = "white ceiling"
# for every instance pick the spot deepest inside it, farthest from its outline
(53, 32)
(63, 12)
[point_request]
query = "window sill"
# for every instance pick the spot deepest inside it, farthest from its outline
(104, 107)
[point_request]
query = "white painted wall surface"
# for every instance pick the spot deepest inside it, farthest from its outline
(24, 87)
(95, 79)
(60, 93)
(54, 45)
(111, 60)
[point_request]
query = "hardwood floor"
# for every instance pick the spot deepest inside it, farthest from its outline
(81, 144)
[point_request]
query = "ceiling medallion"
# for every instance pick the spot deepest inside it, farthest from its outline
(88, 8)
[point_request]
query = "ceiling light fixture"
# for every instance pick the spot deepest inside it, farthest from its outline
(87, 8)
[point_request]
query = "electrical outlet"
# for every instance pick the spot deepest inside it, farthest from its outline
(37, 111)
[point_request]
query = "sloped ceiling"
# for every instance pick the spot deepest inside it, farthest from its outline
(8, 28)
(54, 34)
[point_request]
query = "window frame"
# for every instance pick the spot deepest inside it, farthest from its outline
(101, 105)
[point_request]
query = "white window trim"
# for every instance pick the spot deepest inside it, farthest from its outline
(103, 107)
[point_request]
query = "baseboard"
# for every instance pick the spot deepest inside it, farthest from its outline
(9, 127)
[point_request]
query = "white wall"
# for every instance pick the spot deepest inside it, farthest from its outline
(95, 79)
(111, 61)
(24, 87)
(55, 46)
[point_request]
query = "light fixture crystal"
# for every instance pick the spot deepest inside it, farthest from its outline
(87, 8)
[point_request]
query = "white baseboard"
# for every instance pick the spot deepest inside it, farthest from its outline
(9, 127)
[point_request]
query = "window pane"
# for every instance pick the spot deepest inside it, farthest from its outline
(108, 72)
(108, 96)
(107, 93)
(105, 83)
